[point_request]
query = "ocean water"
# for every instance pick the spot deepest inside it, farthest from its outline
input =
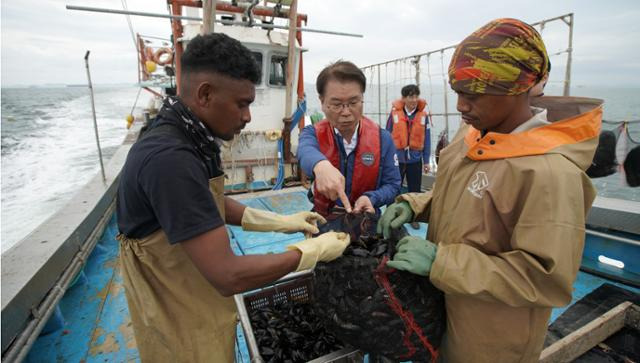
(619, 104)
(49, 149)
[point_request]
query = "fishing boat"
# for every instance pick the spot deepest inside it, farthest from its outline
(63, 297)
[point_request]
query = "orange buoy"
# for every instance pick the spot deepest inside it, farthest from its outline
(163, 56)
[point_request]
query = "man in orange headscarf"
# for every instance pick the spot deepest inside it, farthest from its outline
(507, 213)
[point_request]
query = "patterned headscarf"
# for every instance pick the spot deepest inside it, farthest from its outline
(504, 57)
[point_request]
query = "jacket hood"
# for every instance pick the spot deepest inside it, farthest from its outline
(573, 133)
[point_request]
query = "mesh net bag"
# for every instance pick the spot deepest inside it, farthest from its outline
(374, 308)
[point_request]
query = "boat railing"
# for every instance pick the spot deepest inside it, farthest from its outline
(428, 70)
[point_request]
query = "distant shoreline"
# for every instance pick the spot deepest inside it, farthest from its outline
(105, 85)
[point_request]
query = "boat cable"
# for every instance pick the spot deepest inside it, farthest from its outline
(295, 118)
(133, 37)
(136, 101)
(609, 122)
(623, 129)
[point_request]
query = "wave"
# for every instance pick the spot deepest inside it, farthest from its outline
(49, 149)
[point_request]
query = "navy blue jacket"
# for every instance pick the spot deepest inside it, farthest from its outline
(388, 186)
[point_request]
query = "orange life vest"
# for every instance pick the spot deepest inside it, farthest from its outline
(402, 136)
(366, 164)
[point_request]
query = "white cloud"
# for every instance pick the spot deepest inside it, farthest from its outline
(42, 42)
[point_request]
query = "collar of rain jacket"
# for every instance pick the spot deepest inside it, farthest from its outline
(574, 120)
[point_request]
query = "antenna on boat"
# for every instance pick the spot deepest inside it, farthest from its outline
(93, 111)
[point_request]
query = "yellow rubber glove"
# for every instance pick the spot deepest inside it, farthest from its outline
(266, 221)
(326, 247)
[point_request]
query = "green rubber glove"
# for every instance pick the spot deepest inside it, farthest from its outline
(393, 217)
(414, 255)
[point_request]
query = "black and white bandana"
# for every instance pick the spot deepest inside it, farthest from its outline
(175, 111)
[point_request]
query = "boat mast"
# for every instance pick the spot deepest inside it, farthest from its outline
(208, 16)
(287, 120)
(567, 74)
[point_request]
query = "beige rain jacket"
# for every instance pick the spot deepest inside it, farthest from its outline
(508, 214)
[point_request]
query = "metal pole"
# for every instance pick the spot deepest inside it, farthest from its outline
(196, 18)
(93, 111)
(288, 105)
(446, 101)
(209, 16)
(417, 63)
(379, 99)
(612, 237)
(567, 75)
(290, 58)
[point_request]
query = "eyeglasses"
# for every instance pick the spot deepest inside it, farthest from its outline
(337, 107)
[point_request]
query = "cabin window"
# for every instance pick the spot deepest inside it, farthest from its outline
(278, 70)
(258, 58)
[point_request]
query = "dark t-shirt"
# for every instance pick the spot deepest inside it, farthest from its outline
(165, 184)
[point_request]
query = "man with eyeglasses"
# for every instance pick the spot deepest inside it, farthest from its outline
(408, 123)
(352, 160)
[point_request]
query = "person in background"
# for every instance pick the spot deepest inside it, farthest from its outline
(408, 124)
(508, 209)
(631, 167)
(604, 161)
(178, 268)
(352, 160)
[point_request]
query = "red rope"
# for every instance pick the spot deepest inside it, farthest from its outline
(381, 275)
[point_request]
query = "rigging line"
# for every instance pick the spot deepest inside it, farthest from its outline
(135, 44)
(136, 101)
(386, 85)
(429, 78)
(619, 122)
(626, 129)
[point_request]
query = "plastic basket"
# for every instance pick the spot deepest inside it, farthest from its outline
(295, 287)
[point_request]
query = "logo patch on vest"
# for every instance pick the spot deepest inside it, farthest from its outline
(368, 159)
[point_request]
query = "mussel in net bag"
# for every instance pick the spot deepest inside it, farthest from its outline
(377, 309)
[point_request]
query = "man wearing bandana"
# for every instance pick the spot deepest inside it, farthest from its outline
(507, 213)
(178, 268)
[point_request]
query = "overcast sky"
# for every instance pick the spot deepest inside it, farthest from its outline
(42, 42)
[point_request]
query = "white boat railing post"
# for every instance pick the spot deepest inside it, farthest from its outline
(380, 118)
(446, 90)
(208, 16)
(93, 112)
(567, 74)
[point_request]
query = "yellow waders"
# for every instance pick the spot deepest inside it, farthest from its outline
(177, 315)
